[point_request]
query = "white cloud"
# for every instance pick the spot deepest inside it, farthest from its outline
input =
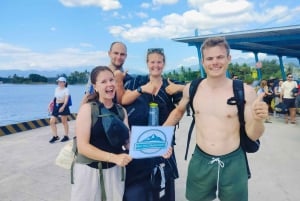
(225, 7)
(145, 5)
(164, 2)
(208, 17)
(14, 57)
(191, 60)
(53, 29)
(104, 4)
(142, 15)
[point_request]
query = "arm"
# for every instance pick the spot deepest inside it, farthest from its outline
(82, 130)
(65, 103)
(281, 92)
(131, 95)
(177, 113)
(256, 111)
(119, 77)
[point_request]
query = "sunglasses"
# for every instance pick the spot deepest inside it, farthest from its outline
(155, 50)
(290, 76)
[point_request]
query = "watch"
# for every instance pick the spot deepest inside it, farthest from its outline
(139, 89)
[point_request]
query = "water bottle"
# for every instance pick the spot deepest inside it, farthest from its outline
(153, 114)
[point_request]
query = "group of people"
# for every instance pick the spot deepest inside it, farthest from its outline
(281, 93)
(217, 144)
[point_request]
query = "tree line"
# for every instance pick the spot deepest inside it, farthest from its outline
(270, 69)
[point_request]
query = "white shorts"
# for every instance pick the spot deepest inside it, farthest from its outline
(87, 183)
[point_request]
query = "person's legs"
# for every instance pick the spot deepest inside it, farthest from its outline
(169, 191)
(138, 191)
(86, 184)
(293, 115)
(64, 120)
(53, 129)
(114, 186)
(287, 104)
(53, 125)
(234, 177)
(201, 178)
(291, 105)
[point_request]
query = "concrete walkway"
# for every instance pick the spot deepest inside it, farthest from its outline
(28, 172)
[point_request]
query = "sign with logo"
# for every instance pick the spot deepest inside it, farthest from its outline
(258, 65)
(150, 141)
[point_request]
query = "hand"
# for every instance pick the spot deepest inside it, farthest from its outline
(168, 153)
(149, 88)
(61, 109)
(119, 75)
(173, 88)
(260, 109)
(122, 159)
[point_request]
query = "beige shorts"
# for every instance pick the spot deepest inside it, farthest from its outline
(87, 185)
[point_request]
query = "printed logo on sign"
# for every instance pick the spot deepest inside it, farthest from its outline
(151, 141)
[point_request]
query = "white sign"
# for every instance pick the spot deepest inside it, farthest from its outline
(150, 141)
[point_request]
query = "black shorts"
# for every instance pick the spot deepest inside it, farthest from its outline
(63, 113)
(290, 102)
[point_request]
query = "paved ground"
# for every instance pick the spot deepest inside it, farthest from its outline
(28, 172)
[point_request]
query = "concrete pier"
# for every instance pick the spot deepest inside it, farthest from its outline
(28, 172)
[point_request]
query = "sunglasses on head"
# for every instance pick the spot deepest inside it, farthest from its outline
(155, 50)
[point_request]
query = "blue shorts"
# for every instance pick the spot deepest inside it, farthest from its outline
(225, 177)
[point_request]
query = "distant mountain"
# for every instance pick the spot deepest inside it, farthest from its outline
(68, 71)
(53, 73)
(46, 73)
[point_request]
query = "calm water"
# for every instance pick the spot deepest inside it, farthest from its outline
(21, 103)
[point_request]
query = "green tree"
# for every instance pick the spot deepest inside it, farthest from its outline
(37, 78)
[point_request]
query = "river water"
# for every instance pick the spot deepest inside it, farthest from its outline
(25, 102)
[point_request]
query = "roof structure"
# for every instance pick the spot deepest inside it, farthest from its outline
(280, 41)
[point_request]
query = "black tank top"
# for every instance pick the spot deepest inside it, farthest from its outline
(99, 140)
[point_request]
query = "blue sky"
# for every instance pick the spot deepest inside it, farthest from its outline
(59, 34)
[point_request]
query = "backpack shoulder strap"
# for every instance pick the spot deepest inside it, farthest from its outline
(94, 112)
(192, 90)
(120, 110)
(238, 90)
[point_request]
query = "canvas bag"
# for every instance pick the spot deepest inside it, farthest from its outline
(66, 156)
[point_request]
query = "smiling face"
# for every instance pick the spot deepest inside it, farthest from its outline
(215, 60)
(155, 63)
(105, 85)
(117, 54)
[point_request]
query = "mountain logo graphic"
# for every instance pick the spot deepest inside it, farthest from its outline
(151, 141)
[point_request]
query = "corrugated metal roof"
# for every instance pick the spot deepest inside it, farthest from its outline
(282, 41)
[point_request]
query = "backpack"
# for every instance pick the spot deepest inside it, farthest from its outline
(248, 145)
(85, 160)
(69, 104)
(95, 114)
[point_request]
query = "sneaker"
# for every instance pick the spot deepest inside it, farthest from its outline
(54, 138)
(65, 138)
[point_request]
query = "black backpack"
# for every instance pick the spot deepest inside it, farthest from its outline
(248, 145)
